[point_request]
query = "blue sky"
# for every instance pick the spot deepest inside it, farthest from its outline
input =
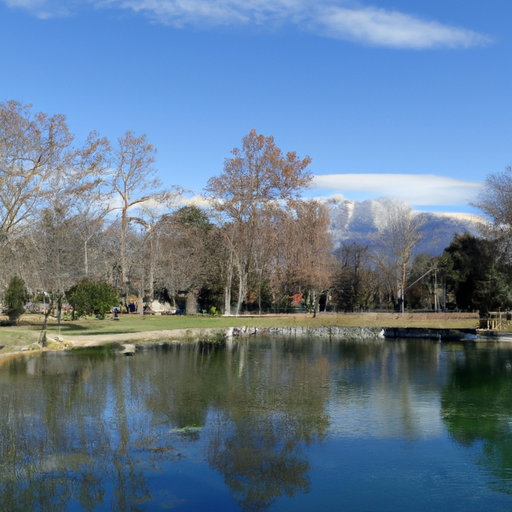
(388, 97)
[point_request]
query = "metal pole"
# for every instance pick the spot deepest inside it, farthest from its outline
(435, 290)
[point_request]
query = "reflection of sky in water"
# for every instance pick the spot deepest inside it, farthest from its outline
(394, 394)
(276, 425)
(397, 475)
(418, 417)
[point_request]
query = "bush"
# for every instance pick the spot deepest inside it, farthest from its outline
(92, 298)
(15, 298)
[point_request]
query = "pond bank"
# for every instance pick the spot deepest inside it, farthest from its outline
(215, 335)
(222, 335)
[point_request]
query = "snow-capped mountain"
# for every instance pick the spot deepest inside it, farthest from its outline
(360, 222)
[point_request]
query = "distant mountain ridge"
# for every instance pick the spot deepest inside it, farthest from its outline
(360, 222)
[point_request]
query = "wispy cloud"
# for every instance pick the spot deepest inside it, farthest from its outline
(378, 27)
(368, 25)
(44, 9)
(416, 189)
(211, 12)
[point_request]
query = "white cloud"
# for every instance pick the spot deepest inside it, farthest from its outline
(27, 4)
(44, 9)
(197, 200)
(378, 27)
(364, 24)
(416, 189)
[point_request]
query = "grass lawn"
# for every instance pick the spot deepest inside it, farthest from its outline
(27, 332)
(135, 323)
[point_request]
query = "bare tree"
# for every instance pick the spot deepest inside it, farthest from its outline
(495, 201)
(187, 256)
(32, 147)
(305, 262)
(399, 233)
(255, 175)
(150, 214)
(90, 190)
(354, 278)
(135, 182)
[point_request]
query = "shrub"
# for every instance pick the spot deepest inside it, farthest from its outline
(92, 298)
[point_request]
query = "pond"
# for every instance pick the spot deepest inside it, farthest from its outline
(267, 424)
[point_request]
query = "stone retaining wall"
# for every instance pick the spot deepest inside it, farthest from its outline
(437, 334)
(320, 332)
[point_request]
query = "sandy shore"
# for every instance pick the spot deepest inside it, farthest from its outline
(68, 342)
(134, 337)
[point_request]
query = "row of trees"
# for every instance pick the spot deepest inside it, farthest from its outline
(470, 275)
(55, 197)
(99, 212)
(474, 273)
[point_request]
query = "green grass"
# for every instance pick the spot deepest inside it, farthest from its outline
(135, 323)
(13, 336)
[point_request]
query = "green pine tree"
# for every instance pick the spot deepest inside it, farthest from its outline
(15, 298)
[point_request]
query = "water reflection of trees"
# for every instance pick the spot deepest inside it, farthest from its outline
(87, 429)
(55, 443)
(391, 383)
(265, 402)
(477, 409)
(274, 406)
(259, 459)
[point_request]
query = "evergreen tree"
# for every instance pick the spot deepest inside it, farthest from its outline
(478, 278)
(15, 298)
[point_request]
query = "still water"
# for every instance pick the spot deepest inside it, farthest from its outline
(271, 424)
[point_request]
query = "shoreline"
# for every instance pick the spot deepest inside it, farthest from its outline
(223, 334)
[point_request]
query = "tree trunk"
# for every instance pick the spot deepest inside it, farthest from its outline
(259, 297)
(242, 290)
(124, 223)
(42, 336)
(151, 277)
(229, 280)
(191, 303)
(403, 286)
(86, 258)
(59, 309)
(314, 298)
